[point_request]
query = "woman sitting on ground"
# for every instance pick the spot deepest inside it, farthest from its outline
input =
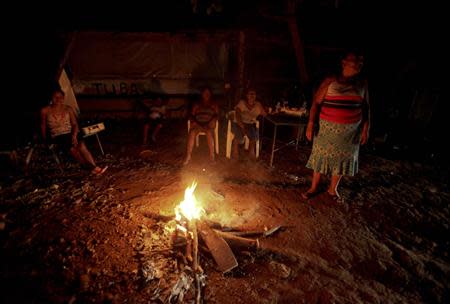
(60, 121)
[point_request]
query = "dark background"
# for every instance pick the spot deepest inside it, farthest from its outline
(402, 43)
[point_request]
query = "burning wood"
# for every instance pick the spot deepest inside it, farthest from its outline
(189, 226)
(237, 241)
(219, 249)
(188, 214)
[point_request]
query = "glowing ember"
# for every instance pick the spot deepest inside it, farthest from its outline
(190, 207)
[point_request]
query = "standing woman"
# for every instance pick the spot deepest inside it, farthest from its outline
(339, 122)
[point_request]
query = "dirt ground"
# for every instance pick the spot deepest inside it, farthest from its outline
(75, 238)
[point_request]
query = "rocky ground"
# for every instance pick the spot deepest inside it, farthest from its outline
(76, 238)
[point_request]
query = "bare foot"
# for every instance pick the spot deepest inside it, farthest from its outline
(186, 161)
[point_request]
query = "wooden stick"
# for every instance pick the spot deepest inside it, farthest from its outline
(218, 247)
(237, 241)
(193, 225)
(188, 252)
(195, 268)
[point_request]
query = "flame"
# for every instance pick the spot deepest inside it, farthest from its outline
(190, 207)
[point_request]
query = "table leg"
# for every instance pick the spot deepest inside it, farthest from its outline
(273, 144)
(99, 144)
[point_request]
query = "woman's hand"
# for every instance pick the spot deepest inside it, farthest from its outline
(310, 131)
(365, 133)
(74, 140)
(364, 136)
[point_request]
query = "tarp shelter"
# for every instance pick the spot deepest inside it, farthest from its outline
(112, 64)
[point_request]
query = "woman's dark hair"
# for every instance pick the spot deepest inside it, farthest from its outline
(250, 89)
(206, 87)
(355, 52)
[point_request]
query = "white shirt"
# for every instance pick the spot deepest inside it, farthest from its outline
(249, 115)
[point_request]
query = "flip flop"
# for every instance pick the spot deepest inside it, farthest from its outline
(335, 197)
(308, 195)
(99, 171)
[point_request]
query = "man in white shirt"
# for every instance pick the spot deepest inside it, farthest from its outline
(247, 111)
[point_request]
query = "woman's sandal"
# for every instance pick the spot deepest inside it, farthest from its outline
(334, 196)
(308, 195)
(99, 171)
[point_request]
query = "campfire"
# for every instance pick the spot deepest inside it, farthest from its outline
(194, 239)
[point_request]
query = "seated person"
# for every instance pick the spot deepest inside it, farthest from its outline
(60, 121)
(154, 120)
(247, 111)
(203, 118)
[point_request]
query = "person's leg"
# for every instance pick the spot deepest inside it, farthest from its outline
(238, 137)
(86, 154)
(314, 185)
(252, 149)
(332, 190)
(145, 136)
(252, 136)
(210, 140)
(77, 155)
(190, 144)
(235, 148)
(156, 132)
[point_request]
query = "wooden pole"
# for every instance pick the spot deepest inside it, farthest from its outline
(297, 41)
(67, 48)
(241, 66)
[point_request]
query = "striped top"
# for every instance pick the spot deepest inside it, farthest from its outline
(204, 114)
(343, 102)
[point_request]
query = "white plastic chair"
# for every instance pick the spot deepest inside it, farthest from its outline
(39, 149)
(216, 136)
(230, 136)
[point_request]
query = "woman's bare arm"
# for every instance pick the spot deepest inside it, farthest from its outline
(317, 101)
(74, 124)
(366, 116)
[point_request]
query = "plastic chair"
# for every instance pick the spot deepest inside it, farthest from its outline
(216, 135)
(230, 136)
(51, 149)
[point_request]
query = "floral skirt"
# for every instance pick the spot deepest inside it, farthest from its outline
(335, 148)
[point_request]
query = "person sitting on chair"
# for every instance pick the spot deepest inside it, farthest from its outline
(60, 121)
(247, 111)
(154, 120)
(203, 118)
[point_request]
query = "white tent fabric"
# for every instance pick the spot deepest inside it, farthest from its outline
(66, 86)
